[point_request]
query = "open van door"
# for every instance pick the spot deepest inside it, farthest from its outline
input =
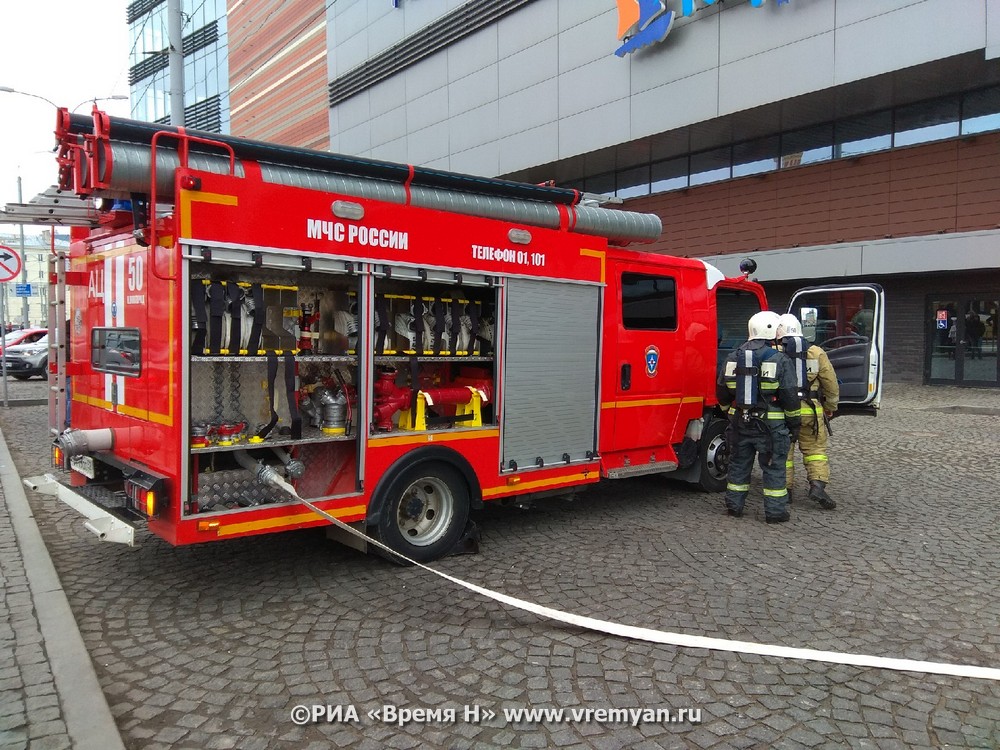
(847, 321)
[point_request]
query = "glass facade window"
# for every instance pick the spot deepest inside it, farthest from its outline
(206, 65)
(633, 182)
(807, 146)
(755, 157)
(711, 166)
(926, 122)
(961, 339)
(602, 184)
(981, 111)
(863, 135)
(670, 175)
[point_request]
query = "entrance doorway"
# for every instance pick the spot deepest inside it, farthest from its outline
(962, 340)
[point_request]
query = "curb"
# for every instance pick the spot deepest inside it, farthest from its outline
(85, 709)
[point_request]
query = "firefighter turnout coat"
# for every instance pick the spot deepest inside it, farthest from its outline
(822, 394)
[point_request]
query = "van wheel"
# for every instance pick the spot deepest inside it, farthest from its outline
(714, 456)
(424, 513)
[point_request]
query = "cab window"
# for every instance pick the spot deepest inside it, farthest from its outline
(840, 318)
(116, 350)
(733, 308)
(649, 303)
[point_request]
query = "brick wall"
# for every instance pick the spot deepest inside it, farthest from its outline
(951, 186)
(278, 90)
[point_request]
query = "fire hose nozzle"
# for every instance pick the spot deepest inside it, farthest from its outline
(78, 442)
(262, 472)
(267, 474)
(294, 467)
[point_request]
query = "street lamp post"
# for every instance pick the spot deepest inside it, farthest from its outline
(20, 198)
(94, 99)
(24, 264)
(9, 90)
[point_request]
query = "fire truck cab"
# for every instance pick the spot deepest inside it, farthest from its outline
(400, 345)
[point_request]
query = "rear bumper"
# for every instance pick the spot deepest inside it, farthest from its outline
(107, 522)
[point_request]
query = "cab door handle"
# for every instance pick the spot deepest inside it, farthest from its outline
(626, 376)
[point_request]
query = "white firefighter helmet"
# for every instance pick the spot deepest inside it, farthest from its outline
(788, 325)
(763, 325)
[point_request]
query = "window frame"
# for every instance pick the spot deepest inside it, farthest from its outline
(628, 280)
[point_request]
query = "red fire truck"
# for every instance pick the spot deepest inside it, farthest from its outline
(402, 344)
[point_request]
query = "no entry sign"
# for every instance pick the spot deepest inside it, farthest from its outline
(10, 264)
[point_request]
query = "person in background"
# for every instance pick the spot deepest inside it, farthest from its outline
(757, 385)
(974, 330)
(820, 396)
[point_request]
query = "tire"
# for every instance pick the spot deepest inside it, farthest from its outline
(713, 456)
(424, 511)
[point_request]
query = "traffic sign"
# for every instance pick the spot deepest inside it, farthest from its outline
(22, 290)
(10, 264)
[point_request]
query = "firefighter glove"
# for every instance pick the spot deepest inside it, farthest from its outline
(794, 426)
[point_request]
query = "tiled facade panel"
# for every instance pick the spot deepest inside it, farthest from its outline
(978, 194)
(952, 186)
(723, 59)
(272, 52)
(300, 122)
(859, 199)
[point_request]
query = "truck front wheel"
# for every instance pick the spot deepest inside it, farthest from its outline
(425, 512)
(714, 456)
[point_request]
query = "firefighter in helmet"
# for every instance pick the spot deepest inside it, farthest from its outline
(820, 395)
(757, 385)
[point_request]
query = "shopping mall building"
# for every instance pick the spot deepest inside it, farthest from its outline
(829, 140)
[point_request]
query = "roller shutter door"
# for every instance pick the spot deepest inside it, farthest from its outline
(550, 371)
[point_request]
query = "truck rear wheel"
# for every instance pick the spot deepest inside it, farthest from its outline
(425, 512)
(713, 455)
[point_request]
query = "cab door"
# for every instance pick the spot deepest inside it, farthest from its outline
(847, 321)
(648, 357)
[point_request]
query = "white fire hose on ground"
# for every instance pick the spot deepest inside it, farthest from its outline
(661, 636)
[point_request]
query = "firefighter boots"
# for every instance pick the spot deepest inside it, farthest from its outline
(817, 491)
(778, 519)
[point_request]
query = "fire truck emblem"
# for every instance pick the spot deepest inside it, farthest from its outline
(652, 360)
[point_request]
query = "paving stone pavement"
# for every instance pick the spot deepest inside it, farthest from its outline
(49, 693)
(212, 646)
(27, 686)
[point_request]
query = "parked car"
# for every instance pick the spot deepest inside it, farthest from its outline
(25, 360)
(22, 336)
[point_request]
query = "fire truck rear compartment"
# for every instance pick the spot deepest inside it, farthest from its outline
(278, 403)
(298, 397)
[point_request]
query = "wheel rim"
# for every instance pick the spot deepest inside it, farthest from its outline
(717, 457)
(425, 511)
